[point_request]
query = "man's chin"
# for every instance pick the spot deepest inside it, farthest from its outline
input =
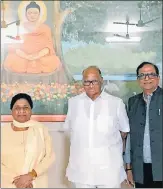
(148, 88)
(91, 93)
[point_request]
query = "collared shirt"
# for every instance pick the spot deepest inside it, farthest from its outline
(96, 143)
(146, 141)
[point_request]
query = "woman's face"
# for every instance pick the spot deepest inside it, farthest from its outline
(32, 14)
(21, 111)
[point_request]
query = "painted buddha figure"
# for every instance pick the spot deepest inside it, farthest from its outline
(36, 54)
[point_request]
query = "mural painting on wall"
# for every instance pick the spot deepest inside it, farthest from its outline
(56, 40)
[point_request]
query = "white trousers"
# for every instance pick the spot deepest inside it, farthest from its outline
(79, 185)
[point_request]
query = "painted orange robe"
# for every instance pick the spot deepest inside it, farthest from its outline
(34, 42)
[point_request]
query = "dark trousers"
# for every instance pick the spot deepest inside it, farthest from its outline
(148, 179)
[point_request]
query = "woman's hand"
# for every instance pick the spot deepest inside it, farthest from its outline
(23, 181)
(29, 186)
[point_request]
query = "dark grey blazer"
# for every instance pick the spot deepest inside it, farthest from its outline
(137, 116)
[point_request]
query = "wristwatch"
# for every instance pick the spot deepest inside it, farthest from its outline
(33, 174)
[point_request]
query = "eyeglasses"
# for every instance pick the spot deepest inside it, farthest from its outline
(24, 109)
(144, 75)
(87, 82)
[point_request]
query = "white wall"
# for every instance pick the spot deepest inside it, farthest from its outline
(57, 172)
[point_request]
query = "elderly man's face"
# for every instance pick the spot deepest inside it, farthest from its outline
(21, 111)
(92, 82)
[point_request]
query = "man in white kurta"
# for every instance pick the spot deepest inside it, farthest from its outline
(96, 143)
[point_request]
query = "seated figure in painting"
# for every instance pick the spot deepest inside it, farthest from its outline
(36, 54)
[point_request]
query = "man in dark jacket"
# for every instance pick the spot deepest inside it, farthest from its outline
(144, 150)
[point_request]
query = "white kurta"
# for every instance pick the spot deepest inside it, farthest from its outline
(96, 143)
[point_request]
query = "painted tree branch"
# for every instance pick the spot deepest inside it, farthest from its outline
(59, 17)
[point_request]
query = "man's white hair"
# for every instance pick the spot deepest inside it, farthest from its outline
(94, 67)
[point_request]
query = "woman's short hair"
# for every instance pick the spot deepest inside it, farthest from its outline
(21, 96)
